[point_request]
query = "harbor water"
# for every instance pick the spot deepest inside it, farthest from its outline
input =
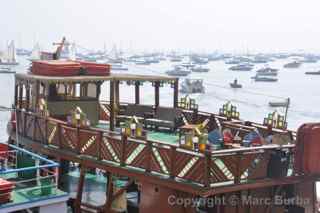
(251, 100)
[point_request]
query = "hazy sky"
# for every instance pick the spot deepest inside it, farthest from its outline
(233, 25)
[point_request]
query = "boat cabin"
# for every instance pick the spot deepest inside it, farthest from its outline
(61, 95)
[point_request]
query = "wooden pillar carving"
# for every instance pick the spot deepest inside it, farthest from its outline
(137, 92)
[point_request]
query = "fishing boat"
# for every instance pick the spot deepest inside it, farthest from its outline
(9, 57)
(235, 84)
(190, 86)
(267, 71)
(294, 64)
(178, 71)
(313, 73)
(242, 67)
(200, 68)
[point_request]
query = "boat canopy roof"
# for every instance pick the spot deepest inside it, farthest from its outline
(90, 78)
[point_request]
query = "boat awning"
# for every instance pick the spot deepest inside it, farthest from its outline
(87, 78)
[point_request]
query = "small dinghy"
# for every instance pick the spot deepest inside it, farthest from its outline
(235, 84)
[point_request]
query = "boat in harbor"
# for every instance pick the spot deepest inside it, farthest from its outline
(188, 65)
(235, 84)
(200, 68)
(267, 71)
(178, 71)
(190, 86)
(232, 61)
(261, 78)
(313, 73)
(119, 66)
(9, 57)
(279, 104)
(242, 67)
(294, 64)
(6, 70)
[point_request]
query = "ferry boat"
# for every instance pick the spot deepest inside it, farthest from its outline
(162, 154)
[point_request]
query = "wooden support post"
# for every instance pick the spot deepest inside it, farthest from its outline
(15, 93)
(35, 118)
(117, 93)
(237, 177)
(173, 161)
(207, 168)
(80, 189)
(20, 96)
(137, 92)
(175, 93)
(156, 93)
(27, 96)
(100, 141)
(46, 138)
(123, 151)
(149, 156)
(112, 106)
(78, 145)
(37, 94)
(109, 194)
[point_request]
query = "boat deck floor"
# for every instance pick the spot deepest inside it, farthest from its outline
(153, 135)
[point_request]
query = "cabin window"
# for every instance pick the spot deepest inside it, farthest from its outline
(72, 91)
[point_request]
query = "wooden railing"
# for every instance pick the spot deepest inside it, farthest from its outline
(231, 166)
(195, 116)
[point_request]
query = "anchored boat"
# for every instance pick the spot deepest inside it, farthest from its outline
(235, 84)
(190, 86)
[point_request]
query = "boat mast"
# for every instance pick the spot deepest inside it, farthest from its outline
(287, 108)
